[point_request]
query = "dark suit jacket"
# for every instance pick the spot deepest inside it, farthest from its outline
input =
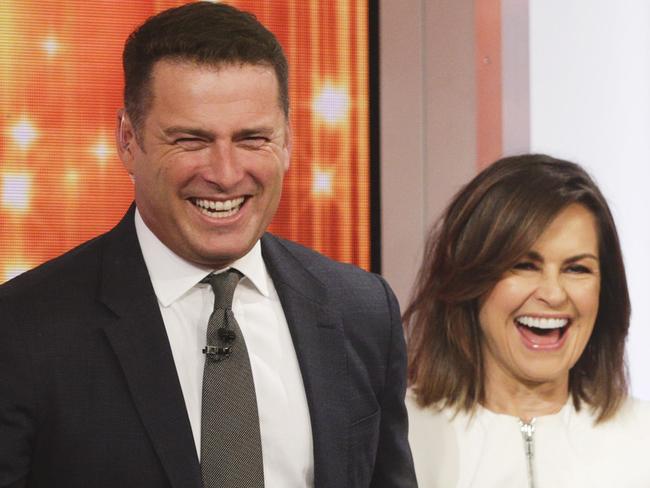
(89, 395)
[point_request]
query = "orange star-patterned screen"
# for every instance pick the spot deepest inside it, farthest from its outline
(61, 182)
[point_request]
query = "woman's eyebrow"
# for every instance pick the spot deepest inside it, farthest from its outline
(578, 257)
(534, 255)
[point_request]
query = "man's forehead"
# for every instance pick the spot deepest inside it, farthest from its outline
(190, 64)
(171, 70)
(185, 105)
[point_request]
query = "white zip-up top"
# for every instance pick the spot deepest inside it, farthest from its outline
(563, 450)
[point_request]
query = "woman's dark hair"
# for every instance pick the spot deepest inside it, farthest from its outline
(490, 223)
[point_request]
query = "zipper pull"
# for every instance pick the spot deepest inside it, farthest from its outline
(527, 433)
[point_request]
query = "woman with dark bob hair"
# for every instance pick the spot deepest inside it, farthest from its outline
(516, 335)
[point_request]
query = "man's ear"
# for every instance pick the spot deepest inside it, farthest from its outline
(288, 140)
(125, 139)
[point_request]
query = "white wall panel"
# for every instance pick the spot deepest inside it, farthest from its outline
(590, 103)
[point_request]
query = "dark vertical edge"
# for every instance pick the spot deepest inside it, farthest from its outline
(375, 155)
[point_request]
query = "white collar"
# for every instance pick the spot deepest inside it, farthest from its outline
(173, 276)
(562, 416)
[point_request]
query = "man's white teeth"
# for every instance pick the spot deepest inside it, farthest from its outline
(542, 323)
(220, 209)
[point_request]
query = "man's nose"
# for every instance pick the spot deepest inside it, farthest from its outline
(224, 168)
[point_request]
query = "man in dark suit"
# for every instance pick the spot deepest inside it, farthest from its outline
(115, 357)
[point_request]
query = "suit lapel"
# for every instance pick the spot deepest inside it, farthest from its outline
(318, 338)
(140, 343)
(138, 338)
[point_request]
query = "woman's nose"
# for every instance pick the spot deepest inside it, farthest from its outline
(551, 290)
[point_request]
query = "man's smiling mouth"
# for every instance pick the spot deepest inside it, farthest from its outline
(219, 209)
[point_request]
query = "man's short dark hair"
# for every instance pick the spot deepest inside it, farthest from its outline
(204, 33)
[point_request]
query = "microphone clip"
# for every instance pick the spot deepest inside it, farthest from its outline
(217, 353)
(227, 337)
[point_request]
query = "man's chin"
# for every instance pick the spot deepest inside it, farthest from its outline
(218, 257)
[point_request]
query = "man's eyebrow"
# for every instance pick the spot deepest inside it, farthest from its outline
(254, 131)
(179, 129)
(266, 131)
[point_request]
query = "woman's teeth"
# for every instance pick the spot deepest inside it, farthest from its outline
(542, 323)
(219, 209)
(542, 333)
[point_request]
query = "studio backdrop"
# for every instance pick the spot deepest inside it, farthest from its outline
(61, 182)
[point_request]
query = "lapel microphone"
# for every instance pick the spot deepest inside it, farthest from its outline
(219, 353)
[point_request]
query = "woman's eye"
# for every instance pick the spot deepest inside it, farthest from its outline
(525, 266)
(578, 268)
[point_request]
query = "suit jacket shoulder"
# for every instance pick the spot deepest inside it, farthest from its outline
(338, 279)
(89, 395)
(346, 327)
(61, 273)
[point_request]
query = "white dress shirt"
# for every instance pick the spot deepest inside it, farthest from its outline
(186, 305)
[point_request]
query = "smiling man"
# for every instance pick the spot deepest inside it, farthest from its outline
(209, 158)
(187, 347)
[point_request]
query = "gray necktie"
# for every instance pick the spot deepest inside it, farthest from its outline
(231, 449)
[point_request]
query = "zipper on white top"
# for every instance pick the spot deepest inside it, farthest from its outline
(527, 433)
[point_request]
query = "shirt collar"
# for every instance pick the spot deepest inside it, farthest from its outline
(172, 276)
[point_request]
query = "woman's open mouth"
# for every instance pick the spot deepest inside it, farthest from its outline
(542, 333)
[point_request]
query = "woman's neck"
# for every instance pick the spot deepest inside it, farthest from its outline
(525, 400)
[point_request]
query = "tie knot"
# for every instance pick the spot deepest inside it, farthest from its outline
(223, 286)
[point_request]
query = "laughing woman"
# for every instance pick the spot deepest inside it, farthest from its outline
(517, 333)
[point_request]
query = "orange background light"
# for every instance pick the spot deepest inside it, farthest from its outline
(61, 182)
